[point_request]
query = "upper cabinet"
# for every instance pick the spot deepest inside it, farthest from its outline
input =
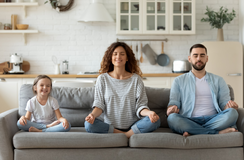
(182, 16)
(143, 17)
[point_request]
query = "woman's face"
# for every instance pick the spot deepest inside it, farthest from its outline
(119, 57)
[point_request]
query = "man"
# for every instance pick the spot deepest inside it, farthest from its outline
(200, 101)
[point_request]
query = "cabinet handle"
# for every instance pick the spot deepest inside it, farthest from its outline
(234, 74)
(2, 80)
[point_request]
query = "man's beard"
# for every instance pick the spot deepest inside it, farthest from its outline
(200, 67)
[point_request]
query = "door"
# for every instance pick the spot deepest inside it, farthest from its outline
(226, 60)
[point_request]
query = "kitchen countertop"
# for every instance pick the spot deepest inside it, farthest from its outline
(84, 75)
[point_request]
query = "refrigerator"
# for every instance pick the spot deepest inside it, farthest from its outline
(225, 58)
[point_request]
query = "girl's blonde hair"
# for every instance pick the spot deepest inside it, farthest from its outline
(37, 80)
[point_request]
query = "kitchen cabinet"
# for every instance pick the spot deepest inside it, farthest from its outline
(158, 82)
(155, 17)
(182, 17)
(24, 5)
(9, 93)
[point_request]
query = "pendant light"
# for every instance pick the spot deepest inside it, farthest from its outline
(96, 12)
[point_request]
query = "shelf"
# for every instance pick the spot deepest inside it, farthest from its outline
(18, 31)
(23, 32)
(24, 5)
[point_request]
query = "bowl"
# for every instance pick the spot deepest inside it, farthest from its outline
(22, 26)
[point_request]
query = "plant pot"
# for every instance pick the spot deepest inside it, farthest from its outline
(220, 35)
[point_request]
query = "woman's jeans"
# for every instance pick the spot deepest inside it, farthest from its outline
(56, 128)
(203, 125)
(142, 126)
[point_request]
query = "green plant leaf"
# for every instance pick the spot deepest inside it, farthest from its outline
(218, 19)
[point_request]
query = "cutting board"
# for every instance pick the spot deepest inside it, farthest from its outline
(6, 66)
(25, 66)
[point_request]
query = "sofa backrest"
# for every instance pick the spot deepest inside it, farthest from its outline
(76, 103)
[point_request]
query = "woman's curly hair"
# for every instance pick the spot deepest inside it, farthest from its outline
(130, 66)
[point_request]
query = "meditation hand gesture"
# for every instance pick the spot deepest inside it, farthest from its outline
(22, 120)
(90, 118)
(172, 109)
(231, 104)
(153, 117)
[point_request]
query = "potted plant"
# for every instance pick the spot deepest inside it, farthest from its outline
(219, 19)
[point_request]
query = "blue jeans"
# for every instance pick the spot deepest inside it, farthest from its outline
(57, 128)
(203, 125)
(142, 126)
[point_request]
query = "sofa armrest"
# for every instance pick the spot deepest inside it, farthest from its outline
(8, 127)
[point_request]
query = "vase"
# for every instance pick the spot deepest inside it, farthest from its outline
(220, 35)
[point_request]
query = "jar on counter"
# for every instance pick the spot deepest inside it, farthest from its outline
(7, 26)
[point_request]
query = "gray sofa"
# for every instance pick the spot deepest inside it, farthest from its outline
(75, 104)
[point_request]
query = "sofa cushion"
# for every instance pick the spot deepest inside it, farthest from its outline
(77, 137)
(167, 139)
(158, 99)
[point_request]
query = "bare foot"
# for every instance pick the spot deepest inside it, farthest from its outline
(129, 133)
(186, 134)
(33, 129)
(53, 124)
(227, 130)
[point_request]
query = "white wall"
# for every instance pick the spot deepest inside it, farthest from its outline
(83, 44)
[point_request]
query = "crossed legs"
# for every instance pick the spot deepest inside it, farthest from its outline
(142, 126)
(56, 126)
(216, 124)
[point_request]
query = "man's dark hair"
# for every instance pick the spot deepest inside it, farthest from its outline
(198, 46)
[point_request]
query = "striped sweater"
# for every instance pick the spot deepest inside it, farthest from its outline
(120, 100)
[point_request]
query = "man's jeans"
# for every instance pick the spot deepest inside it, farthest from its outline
(142, 126)
(203, 125)
(57, 128)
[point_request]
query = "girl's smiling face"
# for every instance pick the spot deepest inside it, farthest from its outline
(43, 87)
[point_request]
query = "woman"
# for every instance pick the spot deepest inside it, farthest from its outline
(120, 94)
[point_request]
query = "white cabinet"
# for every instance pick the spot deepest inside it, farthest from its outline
(158, 82)
(138, 17)
(129, 17)
(9, 93)
(182, 17)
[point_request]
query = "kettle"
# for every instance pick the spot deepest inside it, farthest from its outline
(181, 66)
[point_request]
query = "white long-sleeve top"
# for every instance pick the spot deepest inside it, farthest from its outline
(120, 100)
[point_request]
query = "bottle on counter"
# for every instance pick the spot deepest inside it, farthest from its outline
(7, 26)
(65, 67)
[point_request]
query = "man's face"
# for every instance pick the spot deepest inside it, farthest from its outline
(198, 58)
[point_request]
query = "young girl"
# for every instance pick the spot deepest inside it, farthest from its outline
(43, 109)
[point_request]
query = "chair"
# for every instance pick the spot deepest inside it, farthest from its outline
(74, 84)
